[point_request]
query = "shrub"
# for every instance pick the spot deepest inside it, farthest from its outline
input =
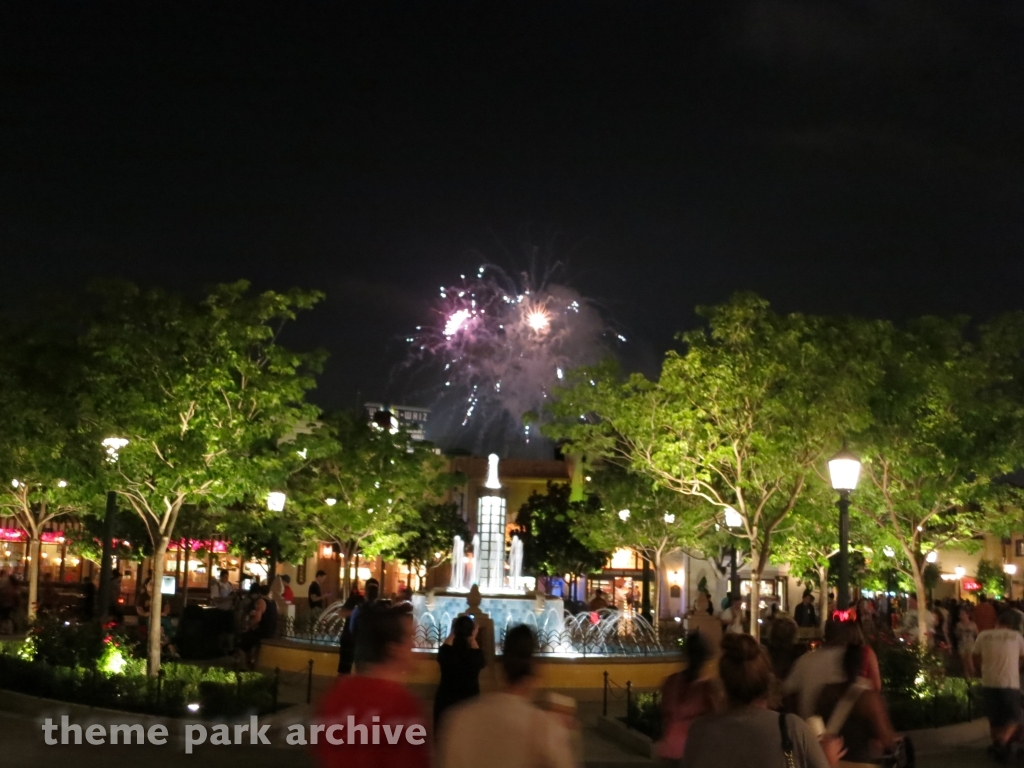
(644, 714)
(218, 692)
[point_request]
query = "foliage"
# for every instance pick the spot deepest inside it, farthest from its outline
(644, 714)
(991, 578)
(379, 483)
(551, 545)
(945, 424)
(430, 532)
(918, 692)
(741, 418)
(43, 462)
(218, 692)
(203, 391)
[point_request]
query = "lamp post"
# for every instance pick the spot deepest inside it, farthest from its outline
(112, 446)
(733, 519)
(844, 471)
(1010, 569)
(960, 572)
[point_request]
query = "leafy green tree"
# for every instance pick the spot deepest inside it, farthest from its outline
(361, 484)
(427, 536)
(201, 390)
(551, 542)
(946, 424)
(991, 577)
(43, 462)
(634, 512)
(740, 418)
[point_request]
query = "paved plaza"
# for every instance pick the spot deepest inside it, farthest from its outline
(21, 746)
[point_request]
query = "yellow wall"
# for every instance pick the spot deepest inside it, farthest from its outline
(554, 672)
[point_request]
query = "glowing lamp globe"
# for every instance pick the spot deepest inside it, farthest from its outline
(960, 571)
(1010, 569)
(275, 501)
(330, 502)
(623, 515)
(932, 557)
(844, 471)
(733, 519)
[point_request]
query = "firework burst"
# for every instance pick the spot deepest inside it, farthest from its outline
(503, 344)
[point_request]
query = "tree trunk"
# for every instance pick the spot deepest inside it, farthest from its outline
(822, 596)
(33, 576)
(658, 592)
(922, 604)
(346, 572)
(755, 598)
(156, 605)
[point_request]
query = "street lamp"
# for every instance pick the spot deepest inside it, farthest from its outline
(734, 519)
(844, 471)
(112, 446)
(275, 501)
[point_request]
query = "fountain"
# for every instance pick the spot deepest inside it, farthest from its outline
(503, 596)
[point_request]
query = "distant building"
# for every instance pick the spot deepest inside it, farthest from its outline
(412, 418)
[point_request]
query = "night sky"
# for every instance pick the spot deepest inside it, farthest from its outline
(864, 158)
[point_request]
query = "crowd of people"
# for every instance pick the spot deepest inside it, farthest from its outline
(834, 692)
(504, 728)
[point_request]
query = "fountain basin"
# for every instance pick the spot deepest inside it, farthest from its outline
(434, 621)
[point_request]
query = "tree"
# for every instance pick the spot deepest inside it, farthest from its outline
(551, 542)
(199, 390)
(634, 512)
(428, 536)
(809, 540)
(44, 468)
(946, 425)
(361, 483)
(991, 578)
(740, 418)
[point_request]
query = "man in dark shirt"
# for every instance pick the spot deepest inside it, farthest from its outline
(316, 597)
(805, 614)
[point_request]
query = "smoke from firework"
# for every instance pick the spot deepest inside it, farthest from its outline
(504, 344)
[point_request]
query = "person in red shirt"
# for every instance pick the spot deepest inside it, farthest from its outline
(287, 594)
(984, 614)
(370, 720)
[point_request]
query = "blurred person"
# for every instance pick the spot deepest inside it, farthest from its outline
(783, 648)
(732, 616)
(748, 733)
(375, 697)
(984, 614)
(461, 660)
(998, 653)
(287, 593)
(685, 696)
(261, 625)
(806, 615)
(222, 595)
(505, 729)
(855, 711)
(144, 610)
(814, 670)
(966, 633)
(370, 600)
(597, 602)
(315, 594)
(10, 600)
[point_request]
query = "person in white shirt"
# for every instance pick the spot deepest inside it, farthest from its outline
(505, 730)
(222, 595)
(814, 670)
(998, 653)
(732, 617)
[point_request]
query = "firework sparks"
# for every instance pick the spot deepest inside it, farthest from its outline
(504, 344)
